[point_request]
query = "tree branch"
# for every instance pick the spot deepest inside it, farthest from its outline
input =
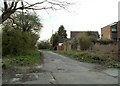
(38, 3)
(5, 6)
(13, 7)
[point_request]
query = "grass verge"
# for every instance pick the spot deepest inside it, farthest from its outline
(28, 59)
(91, 58)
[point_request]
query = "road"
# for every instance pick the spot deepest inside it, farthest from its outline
(59, 69)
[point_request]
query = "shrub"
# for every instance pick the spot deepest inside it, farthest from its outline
(44, 45)
(16, 42)
(104, 42)
(91, 57)
(22, 60)
(84, 41)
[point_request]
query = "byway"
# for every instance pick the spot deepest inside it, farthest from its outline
(63, 70)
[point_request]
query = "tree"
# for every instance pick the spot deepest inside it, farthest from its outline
(54, 40)
(62, 32)
(27, 22)
(45, 44)
(12, 6)
(58, 37)
(16, 41)
(62, 35)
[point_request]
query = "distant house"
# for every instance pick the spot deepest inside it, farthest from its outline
(74, 34)
(73, 43)
(111, 31)
(60, 43)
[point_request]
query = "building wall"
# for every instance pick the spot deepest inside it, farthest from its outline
(105, 48)
(74, 34)
(118, 26)
(59, 48)
(106, 33)
(118, 29)
(67, 47)
(108, 50)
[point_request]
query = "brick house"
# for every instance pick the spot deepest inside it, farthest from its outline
(111, 31)
(74, 34)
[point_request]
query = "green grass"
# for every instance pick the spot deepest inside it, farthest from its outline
(91, 58)
(27, 59)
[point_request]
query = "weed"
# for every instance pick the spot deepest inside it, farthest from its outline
(91, 57)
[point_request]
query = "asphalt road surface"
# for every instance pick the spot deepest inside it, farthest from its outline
(59, 69)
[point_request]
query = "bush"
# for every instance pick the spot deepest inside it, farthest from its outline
(28, 59)
(44, 45)
(91, 57)
(104, 42)
(84, 41)
(15, 42)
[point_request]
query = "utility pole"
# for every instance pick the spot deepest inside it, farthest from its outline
(52, 38)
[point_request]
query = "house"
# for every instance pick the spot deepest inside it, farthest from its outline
(72, 43)
(74, 34)
(60, 43)
(111, 32)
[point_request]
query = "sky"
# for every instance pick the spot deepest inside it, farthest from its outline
(83, 15)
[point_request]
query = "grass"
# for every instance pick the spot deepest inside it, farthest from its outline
(91, 58)
(27, 59)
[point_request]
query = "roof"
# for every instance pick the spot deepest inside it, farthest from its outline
(113, 24)
(110, 24)
(73, 34)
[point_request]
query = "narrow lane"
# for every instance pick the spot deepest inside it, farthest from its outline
(64, 70)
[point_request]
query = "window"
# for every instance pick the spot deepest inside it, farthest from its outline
(114, 28)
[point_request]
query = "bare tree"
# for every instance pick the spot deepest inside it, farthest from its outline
(11, 6)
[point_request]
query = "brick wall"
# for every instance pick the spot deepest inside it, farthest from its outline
(105, 48)
(109, 50)
(106, 33)
(118, 29)
(67, 47)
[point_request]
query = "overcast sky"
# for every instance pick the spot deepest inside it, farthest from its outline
(84, 15)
